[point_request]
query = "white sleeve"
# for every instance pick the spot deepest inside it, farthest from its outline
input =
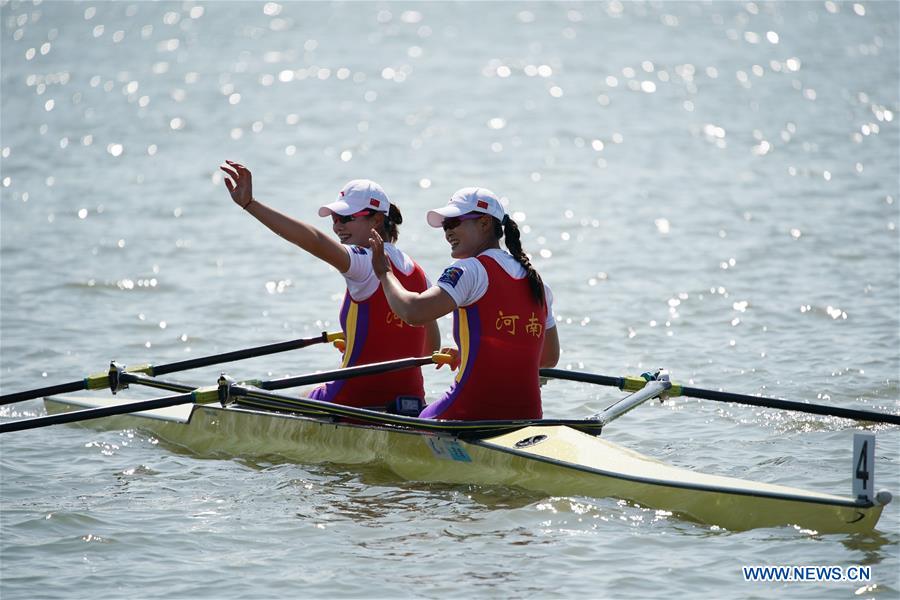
(360, 264)
(360, 277)
(550, 323)
(465, 280)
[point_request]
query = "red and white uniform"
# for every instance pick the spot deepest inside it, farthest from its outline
(374, 333)
(499, 328)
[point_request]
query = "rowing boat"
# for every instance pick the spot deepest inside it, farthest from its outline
(550, 457)
(556, 457)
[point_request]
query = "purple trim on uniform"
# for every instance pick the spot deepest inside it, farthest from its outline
(436, 409)
(362, 326)
(345, 308)
(362, 331)
(327, 392)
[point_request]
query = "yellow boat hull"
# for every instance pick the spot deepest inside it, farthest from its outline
(555, 460)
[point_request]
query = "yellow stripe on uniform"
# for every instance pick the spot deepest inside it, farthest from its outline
(351, 333)
(463, 343)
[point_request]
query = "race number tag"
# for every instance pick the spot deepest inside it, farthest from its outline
(864, 466)
(447, 448)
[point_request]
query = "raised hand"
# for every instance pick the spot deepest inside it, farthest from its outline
(380, 263)
(239, 182)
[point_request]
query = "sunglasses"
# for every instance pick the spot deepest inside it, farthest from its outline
(347, 218)
(453, 222)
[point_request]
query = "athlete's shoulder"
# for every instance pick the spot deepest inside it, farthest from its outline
(458, 269)
(401, 259)
(505, 260)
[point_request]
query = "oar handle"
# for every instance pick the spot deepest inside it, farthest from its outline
(629, 383)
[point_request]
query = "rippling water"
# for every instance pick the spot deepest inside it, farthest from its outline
(709, 187)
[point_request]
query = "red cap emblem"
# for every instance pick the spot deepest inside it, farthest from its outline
(374, 202)
(482, 204)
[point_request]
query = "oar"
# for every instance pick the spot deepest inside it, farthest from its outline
(101, 380)
(350, 372)
(298, 380)
(636, 383)
(96, 413)
(126, 378)
(205, 395)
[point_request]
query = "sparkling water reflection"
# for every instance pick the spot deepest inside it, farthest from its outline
(707, 187)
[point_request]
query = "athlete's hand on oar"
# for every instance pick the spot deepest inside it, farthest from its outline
(239, 183)
(380, 263)
(454, 358)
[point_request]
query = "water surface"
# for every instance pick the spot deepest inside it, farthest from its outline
(708, 187)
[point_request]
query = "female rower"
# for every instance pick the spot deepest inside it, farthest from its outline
(503, 323)
(373, 333)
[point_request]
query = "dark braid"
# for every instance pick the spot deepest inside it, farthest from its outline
(514, 245)
(391, 220)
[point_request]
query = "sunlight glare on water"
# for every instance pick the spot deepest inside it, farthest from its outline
(706, 187)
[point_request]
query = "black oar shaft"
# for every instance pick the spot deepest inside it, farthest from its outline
(372, 369)
(583, 377)
(289, 382)
(678, 390)
(182, 365)
(277, 384)
(95, 413)
(215, 359)
(62, 388)
(815, 409)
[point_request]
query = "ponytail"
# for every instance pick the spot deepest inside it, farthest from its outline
(509, 228)
(391, 220)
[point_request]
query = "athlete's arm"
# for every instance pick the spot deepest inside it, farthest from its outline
(240, 185)
(412, 307)
(415, 309)
(432, 336)
(550, 351)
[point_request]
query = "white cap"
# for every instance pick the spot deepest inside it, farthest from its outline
(468, 200)
(358, 195)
